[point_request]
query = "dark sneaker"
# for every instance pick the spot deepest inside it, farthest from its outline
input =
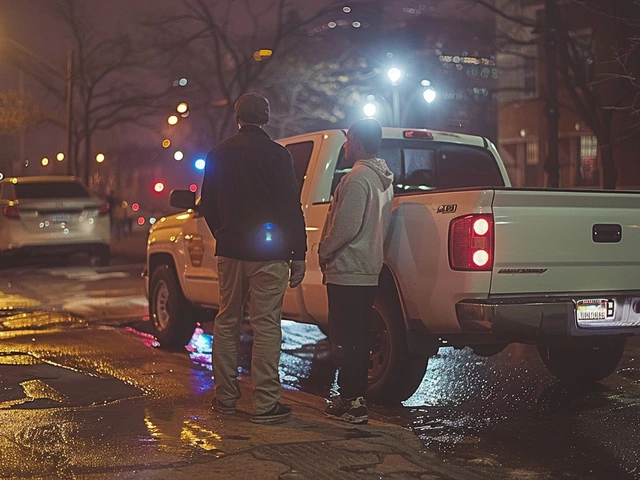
(278, 413)
(352, 410)
(220, 407)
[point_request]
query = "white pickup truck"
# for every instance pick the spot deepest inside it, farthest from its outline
(470, 262)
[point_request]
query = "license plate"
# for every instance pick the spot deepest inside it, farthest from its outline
(595, 309)
(60, 218)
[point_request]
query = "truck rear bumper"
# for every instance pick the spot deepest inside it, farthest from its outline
(532, 319)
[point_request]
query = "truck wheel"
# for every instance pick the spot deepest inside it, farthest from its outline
(174, 317)
(394, 372)
(583, 364)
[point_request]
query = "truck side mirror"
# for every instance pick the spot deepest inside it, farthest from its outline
(182, 199)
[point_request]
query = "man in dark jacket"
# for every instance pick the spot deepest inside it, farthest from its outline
(251, 202)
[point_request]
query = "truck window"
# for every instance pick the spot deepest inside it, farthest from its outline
(301, 153)
(420, 166)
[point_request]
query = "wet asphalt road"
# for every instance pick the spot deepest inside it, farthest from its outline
(503, 416)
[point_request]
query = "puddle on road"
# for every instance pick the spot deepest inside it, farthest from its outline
(35, 320)
(305, 359)
(34, 383)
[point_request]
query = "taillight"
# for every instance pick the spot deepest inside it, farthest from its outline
(11, 211)
(471, 243)
(104, 209)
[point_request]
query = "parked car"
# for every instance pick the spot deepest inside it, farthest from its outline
(52, 215)
(469, 262)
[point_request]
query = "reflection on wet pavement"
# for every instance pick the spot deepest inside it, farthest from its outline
(305, 359)
(505, 416)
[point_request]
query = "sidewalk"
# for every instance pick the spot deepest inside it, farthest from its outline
(312, 446)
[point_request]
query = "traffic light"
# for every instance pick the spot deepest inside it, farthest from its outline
(158, 187)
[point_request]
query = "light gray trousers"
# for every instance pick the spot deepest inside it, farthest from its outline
(265, 283)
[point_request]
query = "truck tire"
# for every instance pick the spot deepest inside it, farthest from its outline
(394, 372)
(583, 365)
(173, 317)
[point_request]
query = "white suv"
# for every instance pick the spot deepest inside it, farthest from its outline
(52, 215)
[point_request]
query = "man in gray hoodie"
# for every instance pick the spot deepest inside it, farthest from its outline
(351, 256)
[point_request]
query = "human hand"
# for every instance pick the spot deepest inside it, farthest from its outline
(298, 269)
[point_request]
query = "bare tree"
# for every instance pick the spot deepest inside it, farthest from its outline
(219, 44)
(312, 88)
(106, 82)
(598, 87)
(19, 112)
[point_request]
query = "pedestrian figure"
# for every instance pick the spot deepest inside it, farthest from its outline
(351, 256)
(250, 200)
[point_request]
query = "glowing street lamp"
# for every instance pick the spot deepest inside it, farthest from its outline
(178, 155)
(182, 107)
(100, 157)
(429, 95)
(44, 161)
(166, 143)
(172, 120)
(60, 156)
(394, 75)
(369, 109)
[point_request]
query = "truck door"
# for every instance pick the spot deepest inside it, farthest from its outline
(304, 150)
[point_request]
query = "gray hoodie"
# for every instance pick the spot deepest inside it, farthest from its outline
(352, 244)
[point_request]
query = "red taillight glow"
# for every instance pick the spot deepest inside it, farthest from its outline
(141, 220)
(419, 134)
(11, 211)
(104, 209)
(471, 243)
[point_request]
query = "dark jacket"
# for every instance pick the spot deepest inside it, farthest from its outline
(251, 199)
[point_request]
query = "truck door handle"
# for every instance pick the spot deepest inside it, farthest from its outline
(606, 233)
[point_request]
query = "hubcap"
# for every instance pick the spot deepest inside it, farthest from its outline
(161, 315)
(380, 351)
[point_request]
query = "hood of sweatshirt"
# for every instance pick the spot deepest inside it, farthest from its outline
(379, 166)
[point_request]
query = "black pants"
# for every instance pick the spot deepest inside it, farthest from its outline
(350, 331)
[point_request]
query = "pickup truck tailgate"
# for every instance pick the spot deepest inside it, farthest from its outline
(565, 242)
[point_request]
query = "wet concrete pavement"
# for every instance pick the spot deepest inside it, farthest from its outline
(86, 402)
(498, 417)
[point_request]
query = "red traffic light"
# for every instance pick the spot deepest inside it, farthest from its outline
(158, 187)
(193, 188)
(135, 207)
(141, 220)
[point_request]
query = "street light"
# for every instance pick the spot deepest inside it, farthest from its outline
(429, 95)
(172, 120)
(370, 109)
(178, 155)
(45, 161)
(182, 107)
(100, 157)
(60, 156)
(394, 75)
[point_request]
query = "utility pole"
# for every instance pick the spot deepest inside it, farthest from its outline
(61, 74)
(552, 164)
(69, 98)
